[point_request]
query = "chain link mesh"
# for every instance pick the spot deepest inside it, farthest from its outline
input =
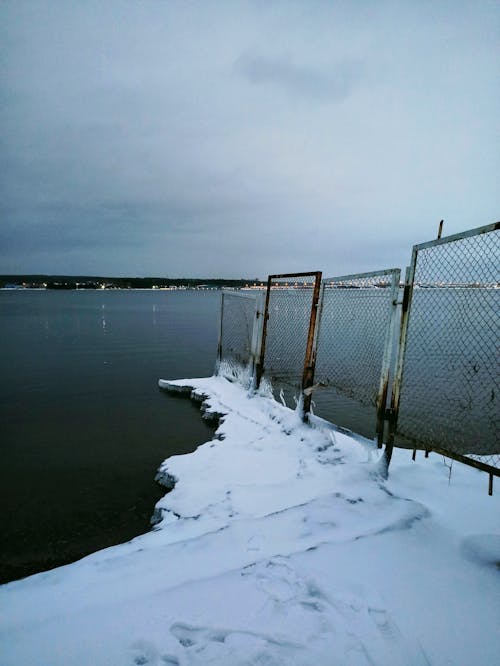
(289, 313)
(449, 388)
(352, 363)
(238, 312)
(451, 371)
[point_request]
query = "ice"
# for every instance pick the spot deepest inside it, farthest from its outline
(279, 543)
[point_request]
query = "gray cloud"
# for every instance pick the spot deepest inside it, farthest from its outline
(330, 84)
(171, 137)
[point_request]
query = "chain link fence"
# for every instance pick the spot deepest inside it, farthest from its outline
(354, 347)
(238, 323)
(447, 387)
(290, 309)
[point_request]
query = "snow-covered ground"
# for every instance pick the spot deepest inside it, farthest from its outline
(279, 545)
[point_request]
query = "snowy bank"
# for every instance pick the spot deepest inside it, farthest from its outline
(278, 544)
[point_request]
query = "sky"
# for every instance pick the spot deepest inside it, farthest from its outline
(237, 139)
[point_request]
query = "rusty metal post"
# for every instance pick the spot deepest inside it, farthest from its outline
(440, 230)
(310, 355)
(317, 332)
(259, 368)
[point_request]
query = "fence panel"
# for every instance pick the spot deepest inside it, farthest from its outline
(238, 334)
(447, 384)
(287, 346)
(354, 348)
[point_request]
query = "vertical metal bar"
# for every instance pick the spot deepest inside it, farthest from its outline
(386, 360)
(398, 375)
(440, 230)
(310, 355)
(259, 370)
(219, 343)
(257, 335)
(317, 331)
(490, 485)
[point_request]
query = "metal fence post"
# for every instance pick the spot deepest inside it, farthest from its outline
(257, 336)
(219, 343)
(310, 356)
(398, 374)
(386, 360)
(259, 370)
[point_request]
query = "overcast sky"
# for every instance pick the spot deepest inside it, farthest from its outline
(235, 138)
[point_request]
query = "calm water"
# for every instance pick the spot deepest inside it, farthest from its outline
(83, 425)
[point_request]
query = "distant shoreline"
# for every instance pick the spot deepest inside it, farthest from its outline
(21, 288)
(83, 282)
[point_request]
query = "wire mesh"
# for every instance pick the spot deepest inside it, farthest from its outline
(354, 349)
(238, 313)
(450, 371)
(289, 315)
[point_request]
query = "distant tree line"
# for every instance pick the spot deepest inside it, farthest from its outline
(96, 282)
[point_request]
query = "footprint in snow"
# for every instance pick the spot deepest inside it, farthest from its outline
(207, 645)
(384, 623)
(286, 588)
(146, 654)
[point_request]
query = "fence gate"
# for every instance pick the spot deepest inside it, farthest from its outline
(446, 389)
(239, 335)
(287, 350)
(354, 348)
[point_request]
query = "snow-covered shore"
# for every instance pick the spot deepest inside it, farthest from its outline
(279, 544)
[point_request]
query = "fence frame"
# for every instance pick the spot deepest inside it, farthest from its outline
(384, 414)
(393, 412)
(310, 353)
(381, 404)
(256, 328)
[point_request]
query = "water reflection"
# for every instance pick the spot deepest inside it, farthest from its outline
(103, 318)
(84, 425)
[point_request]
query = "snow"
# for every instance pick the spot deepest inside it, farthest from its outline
(279, 544)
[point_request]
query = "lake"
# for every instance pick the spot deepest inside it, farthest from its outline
(84, 426)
